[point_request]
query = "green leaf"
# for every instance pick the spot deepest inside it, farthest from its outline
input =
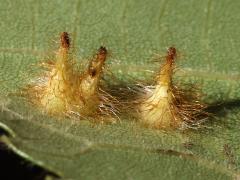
(206, 35)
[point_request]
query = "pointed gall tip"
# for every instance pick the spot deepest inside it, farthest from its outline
(102, 54)
(65, 40)
(172, 53)
(102, 51)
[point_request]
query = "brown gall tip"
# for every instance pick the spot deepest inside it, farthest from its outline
(65, 40)
(102, 54)
(102, 51)
(172, 53)
(92, 72)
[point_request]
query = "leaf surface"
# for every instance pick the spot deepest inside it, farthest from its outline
(206, 35)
